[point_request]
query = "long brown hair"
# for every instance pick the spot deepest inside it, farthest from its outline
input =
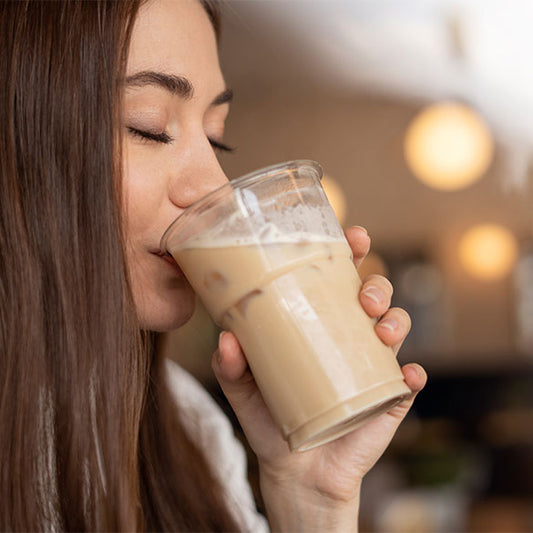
(90, 438)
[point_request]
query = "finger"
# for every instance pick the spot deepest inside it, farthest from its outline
(235, 378)
(377, 433)
(229, 360)
(239, 386)
(415, 377)
(393, 327)
(359, 242)
(375, 295)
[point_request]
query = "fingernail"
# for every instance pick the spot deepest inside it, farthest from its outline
(361, 228)
(374, 294)
(417, 369)
(388, 323)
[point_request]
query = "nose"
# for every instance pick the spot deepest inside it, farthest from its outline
(197, 172)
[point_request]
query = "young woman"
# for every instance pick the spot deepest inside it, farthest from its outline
(111, 114)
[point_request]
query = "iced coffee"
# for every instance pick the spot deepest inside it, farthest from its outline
(273, 267)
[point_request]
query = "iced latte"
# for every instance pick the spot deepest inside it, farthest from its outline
(281, 278)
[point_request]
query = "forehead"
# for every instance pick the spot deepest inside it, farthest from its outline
(176, 37)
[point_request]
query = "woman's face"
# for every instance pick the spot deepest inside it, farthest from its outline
(175, 105)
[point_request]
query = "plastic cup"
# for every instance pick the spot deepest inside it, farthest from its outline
(269, 260)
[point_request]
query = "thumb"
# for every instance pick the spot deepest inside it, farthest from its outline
(238, 384)
(235, 378)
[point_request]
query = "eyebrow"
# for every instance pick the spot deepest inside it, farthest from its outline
(178, 85)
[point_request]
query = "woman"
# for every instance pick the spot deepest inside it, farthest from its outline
(111, 115)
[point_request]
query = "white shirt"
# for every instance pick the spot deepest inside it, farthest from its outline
(211, 429)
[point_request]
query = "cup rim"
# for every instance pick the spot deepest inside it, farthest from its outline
(241, 182)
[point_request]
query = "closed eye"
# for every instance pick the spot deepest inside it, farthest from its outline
(165, 138)
(160, 137)
(218, 146)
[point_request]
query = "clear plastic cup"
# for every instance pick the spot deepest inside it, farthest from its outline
(269, 260)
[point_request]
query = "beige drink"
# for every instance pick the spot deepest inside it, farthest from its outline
(312, 349)
(269, 260)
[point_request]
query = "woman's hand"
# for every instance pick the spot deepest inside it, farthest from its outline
(318, 490)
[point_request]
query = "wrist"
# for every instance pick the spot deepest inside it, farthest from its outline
(295, 505)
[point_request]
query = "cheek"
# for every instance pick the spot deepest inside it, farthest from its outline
(142, 192)
(163, 299)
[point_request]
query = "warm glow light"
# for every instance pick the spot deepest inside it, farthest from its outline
(448, 146)
(488, 251)
(336, 197)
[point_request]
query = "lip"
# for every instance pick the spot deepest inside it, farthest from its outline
(167, 258)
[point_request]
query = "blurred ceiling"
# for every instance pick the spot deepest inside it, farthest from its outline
(477, 51)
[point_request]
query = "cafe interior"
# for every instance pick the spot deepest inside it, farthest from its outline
(420, 114)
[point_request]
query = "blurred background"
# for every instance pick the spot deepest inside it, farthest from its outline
(420, 113)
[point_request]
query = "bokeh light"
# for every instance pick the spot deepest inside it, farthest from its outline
(488, 251)
(336, 197)
(448, 146)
